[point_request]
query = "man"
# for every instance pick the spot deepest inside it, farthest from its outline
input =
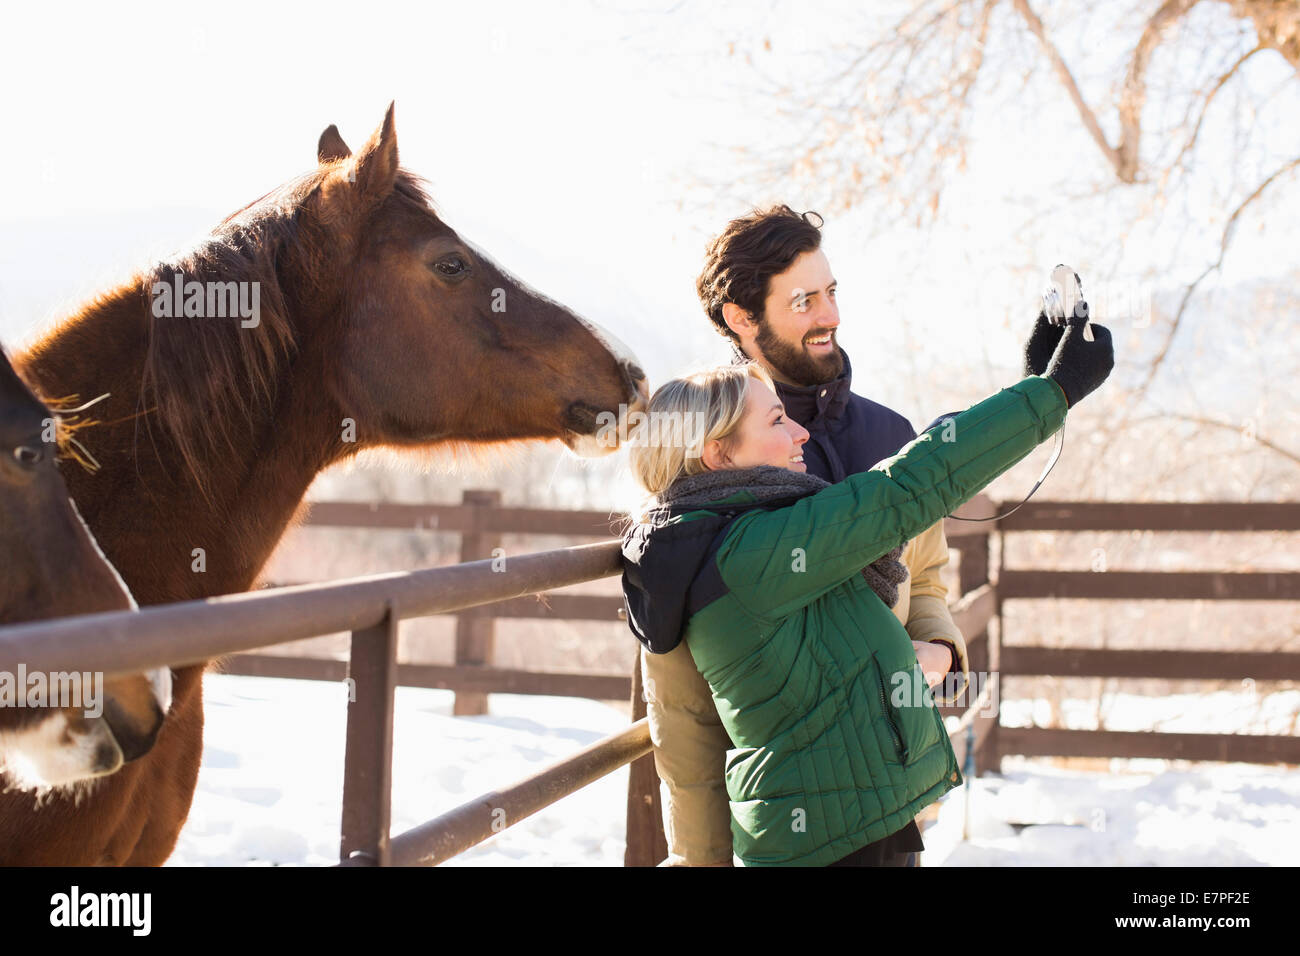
(768, 288)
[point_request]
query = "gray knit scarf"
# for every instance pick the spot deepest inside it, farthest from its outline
(769, 483)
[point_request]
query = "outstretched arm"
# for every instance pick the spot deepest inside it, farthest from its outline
(777, 561)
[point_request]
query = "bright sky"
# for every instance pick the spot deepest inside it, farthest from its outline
(545, 130)
(557, 137)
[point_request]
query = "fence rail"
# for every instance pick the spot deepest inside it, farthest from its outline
(1019, 661)
(372, 607)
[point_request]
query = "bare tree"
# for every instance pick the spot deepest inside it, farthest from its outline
(889, 125)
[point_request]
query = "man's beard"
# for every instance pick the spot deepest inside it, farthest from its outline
(794, 361)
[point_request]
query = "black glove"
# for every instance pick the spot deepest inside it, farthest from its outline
(1079, 366)
(1041, 345)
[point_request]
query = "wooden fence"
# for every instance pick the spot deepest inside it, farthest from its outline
(481, 522)
(372, 607)
(1019, 584)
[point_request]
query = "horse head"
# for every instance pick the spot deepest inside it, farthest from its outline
(53, 568)
(406, 329)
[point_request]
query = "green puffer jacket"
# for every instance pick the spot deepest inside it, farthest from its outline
(837, 741)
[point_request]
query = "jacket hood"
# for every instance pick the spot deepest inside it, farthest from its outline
(669, 572)
(664, 583)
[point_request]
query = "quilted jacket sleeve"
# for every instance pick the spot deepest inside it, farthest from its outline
(775, 562)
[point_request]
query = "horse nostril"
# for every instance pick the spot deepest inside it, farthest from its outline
(135, 735)
(107, 757)
(581, 418)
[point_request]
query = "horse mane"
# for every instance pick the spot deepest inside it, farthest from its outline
(209, 380)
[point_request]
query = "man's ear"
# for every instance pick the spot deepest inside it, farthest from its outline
(738, 320)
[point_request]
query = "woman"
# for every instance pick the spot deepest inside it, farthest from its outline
(780, 586)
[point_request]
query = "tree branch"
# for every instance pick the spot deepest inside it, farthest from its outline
(1209, 98)
(1277, 24)
(1127, 415)
(1227, 426)
(1134, 93)
(1071, 87)
(1217, 264)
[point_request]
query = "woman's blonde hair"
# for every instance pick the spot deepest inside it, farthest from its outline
(683, 416)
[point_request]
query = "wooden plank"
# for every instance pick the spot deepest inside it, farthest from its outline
(1172, 664)
(475, 633)
(457, 518)
(602, 524)
(283, 666)
(494, 680)
(497, 680)
(1154, 516)
(553, 607)
(1152, 585)
(544, 606)
(130, 641)
(1053, 742)
(646, 843)
(977, 511)
(983, 724)
(486, 815)
(368, 759)
(973, 612)
(973, 567)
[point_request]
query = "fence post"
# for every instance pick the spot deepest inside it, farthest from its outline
(974, 569)
(368, 760)
(474, 634)
(990, 756)
(974, 573)
(646, 843)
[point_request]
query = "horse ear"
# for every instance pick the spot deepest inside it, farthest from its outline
(331, 147)
(374, 169)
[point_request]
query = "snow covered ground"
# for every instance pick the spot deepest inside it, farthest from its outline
(271, 784)
(1223, 814)
(270, 788)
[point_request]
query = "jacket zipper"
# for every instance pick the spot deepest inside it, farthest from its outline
(889, 716)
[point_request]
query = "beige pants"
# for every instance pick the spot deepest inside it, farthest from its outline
(690, 755)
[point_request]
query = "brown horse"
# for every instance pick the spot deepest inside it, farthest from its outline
(52, 566)
(353, 318)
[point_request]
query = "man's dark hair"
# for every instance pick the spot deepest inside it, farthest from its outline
(752, 249)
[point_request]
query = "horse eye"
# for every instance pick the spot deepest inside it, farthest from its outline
(28, 456)
(451, 266)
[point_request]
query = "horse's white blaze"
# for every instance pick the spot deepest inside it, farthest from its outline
(55, 753)
(161, 683)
